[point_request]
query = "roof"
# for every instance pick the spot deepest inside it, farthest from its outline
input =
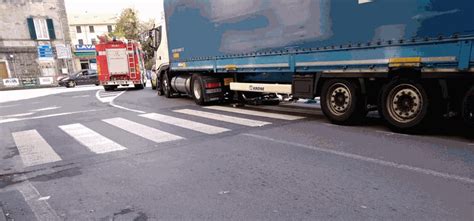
(92, 19)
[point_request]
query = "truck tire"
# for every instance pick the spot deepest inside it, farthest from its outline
(140, 86)
(468, 108)
(341, 102)
(166, 86)
(405, 105)
(198, 90)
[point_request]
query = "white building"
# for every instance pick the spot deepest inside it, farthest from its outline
(84, 29)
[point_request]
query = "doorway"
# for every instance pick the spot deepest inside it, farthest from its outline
(3, 70)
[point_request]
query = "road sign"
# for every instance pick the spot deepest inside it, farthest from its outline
(45, 52)
(63, 51)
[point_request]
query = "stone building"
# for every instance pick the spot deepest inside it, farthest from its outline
(34, 42)
(84, 30)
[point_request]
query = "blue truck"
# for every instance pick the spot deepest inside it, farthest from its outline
(412, 60)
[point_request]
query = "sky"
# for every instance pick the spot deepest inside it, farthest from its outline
(147, 9)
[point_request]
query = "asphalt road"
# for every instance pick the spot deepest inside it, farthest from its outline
(131, 155)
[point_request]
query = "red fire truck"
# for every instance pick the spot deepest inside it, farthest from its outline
(120, 63)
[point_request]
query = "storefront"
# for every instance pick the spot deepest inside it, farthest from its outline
(85, 57)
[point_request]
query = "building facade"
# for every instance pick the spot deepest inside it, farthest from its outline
(34, 42)
(84, 30)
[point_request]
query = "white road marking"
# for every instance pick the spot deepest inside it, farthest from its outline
(124, 108)
(45, 109)
(81, 96)
(224, 118)
(255, 113)
(17, 95)
(107, 99)
(141, 130)
(199, 127)
(16, 115)
(108, 95)
(41, 208)
(44, 198)
(9, 120)
(5, 106)
(370, 160)
(110, 100)
(91, 139)
(34, 150)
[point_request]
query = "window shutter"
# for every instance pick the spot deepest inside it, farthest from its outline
(52, 34)
(31, 27)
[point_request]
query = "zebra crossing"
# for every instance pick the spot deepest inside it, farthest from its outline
(35, 150)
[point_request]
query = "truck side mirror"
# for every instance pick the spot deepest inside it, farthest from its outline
(155, 35)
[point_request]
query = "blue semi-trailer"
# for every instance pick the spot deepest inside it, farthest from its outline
(413, 60)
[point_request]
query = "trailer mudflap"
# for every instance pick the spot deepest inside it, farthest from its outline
(303, 86)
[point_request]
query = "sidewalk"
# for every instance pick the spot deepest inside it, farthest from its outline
(26, 88)
(24, 94)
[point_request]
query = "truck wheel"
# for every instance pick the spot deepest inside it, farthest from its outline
(404, 105)
(140, 86)
(341, 101)
(468, 108)
(198, 90)
(166, 86)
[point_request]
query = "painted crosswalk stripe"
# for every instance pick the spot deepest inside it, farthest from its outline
(224, 118)
(200, 127)
(91, 139)
(141, 130)
(255, 113)
(33, 148)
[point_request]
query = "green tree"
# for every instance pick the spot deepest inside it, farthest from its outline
(131, 28)
(144, 28)
(128, 25)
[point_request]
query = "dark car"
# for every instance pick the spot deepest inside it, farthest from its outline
(82, 77)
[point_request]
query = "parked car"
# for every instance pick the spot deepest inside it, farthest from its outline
(82, 77)
(153, 78)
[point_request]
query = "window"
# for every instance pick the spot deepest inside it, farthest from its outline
(41, 29)
(91, 29)
(93, 41)
(81, 42)
(109, 28)
(78, 29)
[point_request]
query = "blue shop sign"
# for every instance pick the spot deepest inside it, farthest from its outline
(45, 52)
